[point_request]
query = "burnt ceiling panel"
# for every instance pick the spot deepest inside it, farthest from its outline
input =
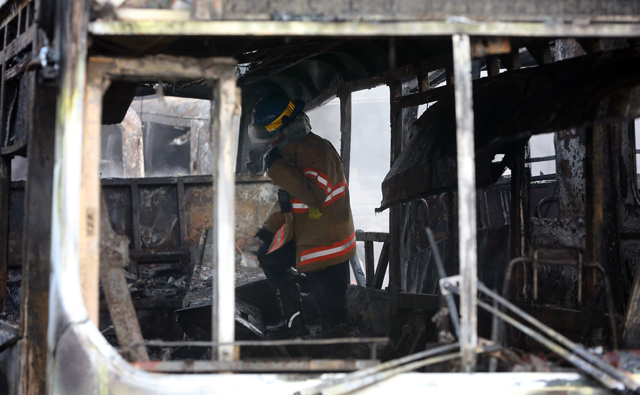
(508, 109)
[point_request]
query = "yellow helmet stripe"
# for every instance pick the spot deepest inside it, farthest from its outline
(278, 121)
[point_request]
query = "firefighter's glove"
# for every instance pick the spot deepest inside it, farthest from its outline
(272, 156)
(264, 235)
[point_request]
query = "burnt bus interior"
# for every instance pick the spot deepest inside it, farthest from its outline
(561, 247)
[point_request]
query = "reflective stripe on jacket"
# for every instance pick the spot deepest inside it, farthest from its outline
(312, 174)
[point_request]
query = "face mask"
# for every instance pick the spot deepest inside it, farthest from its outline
(297, 129)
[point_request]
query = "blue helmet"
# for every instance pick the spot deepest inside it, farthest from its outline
(272, 113)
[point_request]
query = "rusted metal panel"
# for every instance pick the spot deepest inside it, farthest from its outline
(159, 223)
(371, 309)
(254, 199)
(118, 199)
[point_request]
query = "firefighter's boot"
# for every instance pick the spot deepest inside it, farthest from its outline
(292, 322)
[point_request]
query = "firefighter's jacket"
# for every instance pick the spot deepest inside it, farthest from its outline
(311, 172)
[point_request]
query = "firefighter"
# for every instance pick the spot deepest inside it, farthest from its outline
(310, 227)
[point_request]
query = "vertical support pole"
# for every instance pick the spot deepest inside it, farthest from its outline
(369, 263)
(71, 37)
(345, 130)
(135, 218)
(5, 185)
(519, 218)
(89, 226)
(37, 241)
(466, 199)
(182, 213)
(223, 298)
(395, 215)
(601, 212)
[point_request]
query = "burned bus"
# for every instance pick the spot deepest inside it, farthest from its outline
(494, 187)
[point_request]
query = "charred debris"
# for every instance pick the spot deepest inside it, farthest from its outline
(485, 267)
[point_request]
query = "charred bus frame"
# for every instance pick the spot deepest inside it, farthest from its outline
(70, 174)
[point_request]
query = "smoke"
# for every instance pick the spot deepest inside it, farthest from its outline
(370, 150)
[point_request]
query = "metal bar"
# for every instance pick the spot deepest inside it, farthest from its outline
(9, 343)
(604, 378)
(264, 343)
(373, 236)
(5, 183)
(113, 257)
(225, 136)
(395, 215)
(428, 96)
(165, 67)
(369, 263)
(36, 264)
(575, 348)
(379, 368)
(5, 199)
(279, 366)
(182, 213)
(67, 174)
(89, 226)
(541, 159)
(466, 199)
(451, 304)
(361, 28)
(381, 269)
(356, 267)
(135, 218)
(345, 130)
(350, 386)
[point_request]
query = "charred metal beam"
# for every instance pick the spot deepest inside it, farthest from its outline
(369, 263)
(135, 218)
(379, 237)
(5, 182)
(519, 216)
(381, 268)
(467, 227)
(395, 216)
(114, 256)
(345, 130)
(602, 239)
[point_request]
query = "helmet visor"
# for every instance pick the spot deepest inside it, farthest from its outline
(259, 134)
